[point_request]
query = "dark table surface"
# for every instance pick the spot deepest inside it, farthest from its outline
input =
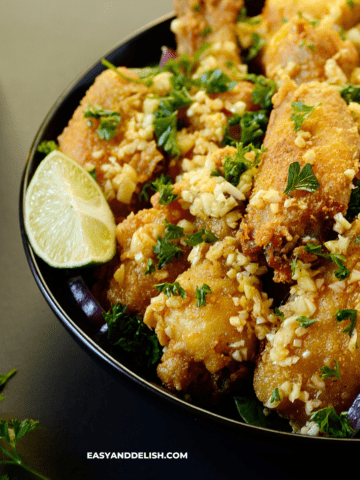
(44, 45)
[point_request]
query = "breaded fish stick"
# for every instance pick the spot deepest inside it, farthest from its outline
(328, 140)
(316, 365)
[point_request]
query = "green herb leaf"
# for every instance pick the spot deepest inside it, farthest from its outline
(278, 313)
(3, 380)
(214, 81)
(163, 185)
(173, 232)
(342, 271)
(305, 322)
(129, 332)
(301, 113)
(348, 314)
(255, 47)
(354, 203)
(328, 372)
(200, 294)
(170, 289)
(301, 179)
(243, 18)
(264, 90)
(294, 264)
(166, 251)
(109, 121)
(200, 237)
(275, 396)
(253, 127)
(47, 146)
(350, 93)
(150, 267)
(332, 424)
(235, 166)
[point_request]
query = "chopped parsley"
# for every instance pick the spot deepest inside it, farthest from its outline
(348, 314)
(130, 333)
(278, 313)
(253, 127)
(235, 166)
(109, 121)
(354, 203)
(264, 89)
(342, 271)
(150, 267)
(350, 93)
(328, 372)
(310, 46)
(275, 396)
(352, 4)
(305, 322)
(243, 17)
(206, 31)
(166, 251)
(162, 185)
(214, 81)
(301, 113)
(172, 232)
(170, 289)
(332, 424)
(47, 146)
(200, 237)
(294, 264)
(253, 51)
(301, 179)
(200, 294)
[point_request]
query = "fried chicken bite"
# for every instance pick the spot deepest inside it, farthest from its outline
(276, 223)
(210, 336)
(305, 51)
(128, 158)
(208, 21)
(313, 359)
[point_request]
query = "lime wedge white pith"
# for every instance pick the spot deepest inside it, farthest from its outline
(67, 219)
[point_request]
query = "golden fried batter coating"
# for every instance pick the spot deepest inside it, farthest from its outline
(136, 236)
(276, 223)
(81, 141)
(295, 356)
(213, 21)
(339, 12)
(210, 344)
(308, 52)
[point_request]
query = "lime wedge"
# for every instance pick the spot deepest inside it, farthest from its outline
(67, 219)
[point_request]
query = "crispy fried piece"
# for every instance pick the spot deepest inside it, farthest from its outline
(209, 346)
(308, 52)
(294, 356)
(213, 21)
(81, 141)
(127, 283)
(276, 223)
(339, 12)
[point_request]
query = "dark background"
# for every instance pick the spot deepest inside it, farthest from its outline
(44, 45)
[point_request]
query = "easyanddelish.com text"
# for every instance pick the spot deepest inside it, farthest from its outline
(137, 455)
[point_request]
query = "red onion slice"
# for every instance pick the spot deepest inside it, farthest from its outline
(167, 54)
(354, 414)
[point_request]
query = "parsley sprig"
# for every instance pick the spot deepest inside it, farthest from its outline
(200, 294)
(301, 179)
(264, 90)
(162, 185)
(342, 271)
(10, 434)
(347, 314)
(301, 113)
(328, 372)
(129, 332)
(350, 93)
(235, 166)
(331, 424)
(171, 289)
(4, 377)
(109, 120)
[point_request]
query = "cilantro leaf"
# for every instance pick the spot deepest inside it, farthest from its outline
(348, 314)
(109, 121)
(170, 289)
(301, 113)
(200, 294)
(214, 81)
(129, 332)
(301, 179)
(332, 424)
(350, 93)
(328, 372)
(47, 146)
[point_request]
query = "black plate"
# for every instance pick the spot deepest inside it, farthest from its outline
(142, 49)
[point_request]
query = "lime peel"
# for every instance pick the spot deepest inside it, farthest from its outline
(67, 218)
